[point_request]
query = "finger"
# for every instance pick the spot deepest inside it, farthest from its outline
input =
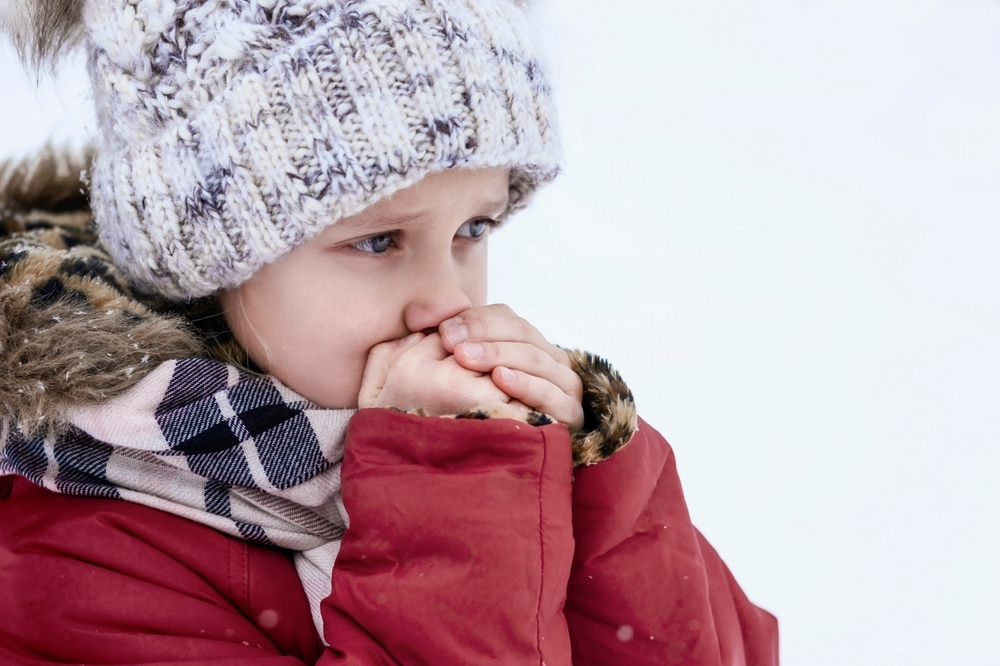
(495, 323)
(484, 356)
(429, 347)
(443, 390)
(467, 387)
(541, 395)
(391, 364)
(380, 359)
(481, 392)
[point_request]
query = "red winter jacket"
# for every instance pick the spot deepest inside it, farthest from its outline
(470, 542)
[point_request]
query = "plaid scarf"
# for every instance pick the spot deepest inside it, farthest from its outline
(200, 439)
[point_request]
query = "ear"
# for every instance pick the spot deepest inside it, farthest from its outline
(41, 30)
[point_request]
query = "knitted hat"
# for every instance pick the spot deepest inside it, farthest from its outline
(235, 130)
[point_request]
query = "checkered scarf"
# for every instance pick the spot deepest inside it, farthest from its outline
(200, 439)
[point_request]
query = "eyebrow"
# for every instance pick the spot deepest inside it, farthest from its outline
(491, 208)
(494, 208)
(378, 223)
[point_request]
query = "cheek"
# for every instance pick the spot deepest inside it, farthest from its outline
(261, 317)
(327, 355)
(313, 331)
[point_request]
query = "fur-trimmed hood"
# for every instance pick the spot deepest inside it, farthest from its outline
(74, 332)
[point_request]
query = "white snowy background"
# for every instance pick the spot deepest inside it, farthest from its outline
(779, 220)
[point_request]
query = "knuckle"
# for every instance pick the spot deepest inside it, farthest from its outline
(491, 350)
(536, 356)
(559, 403)
(524, 328)
(505, 310)
(554, 394)
(475, 323)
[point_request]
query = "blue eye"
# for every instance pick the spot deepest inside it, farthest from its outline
(475, 228)
(375, 244)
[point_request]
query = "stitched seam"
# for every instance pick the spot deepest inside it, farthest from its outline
(245, 576)
(541, 549)
(229, 571)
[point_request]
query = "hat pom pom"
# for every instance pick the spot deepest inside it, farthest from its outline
(41, 30)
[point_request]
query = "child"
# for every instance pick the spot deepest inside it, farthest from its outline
(266, 329)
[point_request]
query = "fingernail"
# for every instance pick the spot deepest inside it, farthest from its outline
(473, 350)
(507, 374)
(410, 339)
(456, 334)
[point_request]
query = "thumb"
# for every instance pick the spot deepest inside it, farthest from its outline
(380, 359)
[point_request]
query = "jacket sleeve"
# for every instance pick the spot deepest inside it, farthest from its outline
(459, 551)
(103, 581)
(646, 587)
(459, 546)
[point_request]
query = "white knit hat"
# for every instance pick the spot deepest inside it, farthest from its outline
(235, 130)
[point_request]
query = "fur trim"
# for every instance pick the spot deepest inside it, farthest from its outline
(51, 181)
(42, 30)
(72, 332)
(532, 418)
(610, 418)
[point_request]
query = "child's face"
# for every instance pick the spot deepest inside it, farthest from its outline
(403, 265)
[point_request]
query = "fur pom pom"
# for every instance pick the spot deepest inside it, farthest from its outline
(41, 30)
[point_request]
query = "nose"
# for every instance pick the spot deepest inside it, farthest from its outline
(436, 296)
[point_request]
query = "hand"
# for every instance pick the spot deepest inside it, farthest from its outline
(522, 363)
(417, 372)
